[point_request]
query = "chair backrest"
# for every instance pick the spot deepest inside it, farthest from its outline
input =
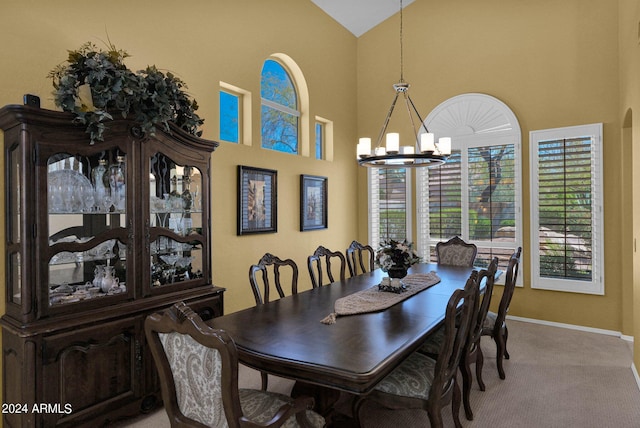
(357, 253)
(484, 300)
(456, 252)
(509, 288)
(314, 262)
(198, 368)
(263, 279)
(457, 323)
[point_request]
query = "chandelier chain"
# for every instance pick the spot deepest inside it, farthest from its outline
(401, 48)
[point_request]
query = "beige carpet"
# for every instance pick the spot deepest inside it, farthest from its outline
(555, 378)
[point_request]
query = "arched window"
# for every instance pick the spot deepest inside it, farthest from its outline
(477, 193)
(280, 113)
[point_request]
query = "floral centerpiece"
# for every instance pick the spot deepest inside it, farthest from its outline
(93, 84)
(396, 257)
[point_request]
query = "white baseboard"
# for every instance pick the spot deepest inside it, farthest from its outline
(588, 329)
(635, 374)
(574, 327)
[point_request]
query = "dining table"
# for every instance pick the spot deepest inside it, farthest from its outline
(287, 338)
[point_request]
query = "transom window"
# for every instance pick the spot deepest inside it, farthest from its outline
(229, 117)
(280, 112)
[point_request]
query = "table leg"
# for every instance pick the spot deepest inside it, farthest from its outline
(324, 397)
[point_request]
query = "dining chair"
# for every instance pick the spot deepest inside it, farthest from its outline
(421, 382)
(357, 254)
(456, 252)
(472, 352)
(198, 368)
(269, 267)
(495, 324)
(259, 277)
(315, 265)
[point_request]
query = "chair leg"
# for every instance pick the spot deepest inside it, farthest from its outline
(467, 381)
(506, 336)
(265, 380)
(500, 354)
(455, 405)
(479, 364)
(435, 418)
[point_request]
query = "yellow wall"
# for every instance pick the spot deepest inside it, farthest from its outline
(205, 42)
(554, 63)
(629, 40)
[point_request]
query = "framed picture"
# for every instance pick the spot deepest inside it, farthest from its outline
(313, 202)
(257, 198)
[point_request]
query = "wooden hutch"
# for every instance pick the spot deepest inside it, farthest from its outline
(97, 237)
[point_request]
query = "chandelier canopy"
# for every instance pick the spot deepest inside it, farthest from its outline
(423, 152)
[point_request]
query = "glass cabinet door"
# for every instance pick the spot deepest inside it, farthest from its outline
(13, 225)
(176, 241)
(88, 226)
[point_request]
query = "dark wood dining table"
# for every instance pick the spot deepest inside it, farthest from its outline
(287, 338)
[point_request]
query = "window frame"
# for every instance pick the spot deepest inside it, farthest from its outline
(244, 107)
(596, 284)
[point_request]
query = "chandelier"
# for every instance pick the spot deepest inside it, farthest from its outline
(424, 152)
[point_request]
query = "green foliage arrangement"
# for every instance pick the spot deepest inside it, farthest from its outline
(93, 84)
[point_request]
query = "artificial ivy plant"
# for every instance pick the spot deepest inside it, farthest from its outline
(94, 84)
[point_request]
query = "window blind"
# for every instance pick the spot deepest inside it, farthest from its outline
(390, 205)
(565, 209)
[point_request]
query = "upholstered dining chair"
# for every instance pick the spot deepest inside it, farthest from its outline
(198, 369)
(424, 383)
(260, 276)
(315, 265)
(456, 252)
(357, 255)
(472, 352)
(495, 324)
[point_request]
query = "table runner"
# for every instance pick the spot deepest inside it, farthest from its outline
(373, 300)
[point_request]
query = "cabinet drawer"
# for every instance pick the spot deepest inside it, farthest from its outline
(208, 307)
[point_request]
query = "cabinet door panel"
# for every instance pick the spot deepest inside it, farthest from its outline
(177, 230)
(93, 369)
(88, 226)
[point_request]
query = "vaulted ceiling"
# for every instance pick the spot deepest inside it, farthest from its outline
(359, 16)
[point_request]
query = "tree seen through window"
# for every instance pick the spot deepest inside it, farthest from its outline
(279, 113)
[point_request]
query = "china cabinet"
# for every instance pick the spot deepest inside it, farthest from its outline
(97, 236)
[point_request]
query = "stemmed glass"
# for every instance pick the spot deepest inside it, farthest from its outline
(196, 198)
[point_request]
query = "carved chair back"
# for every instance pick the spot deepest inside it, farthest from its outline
(509, 289)
(357, 255)
(267, 270)
(457, 325)
(176, 336)
(456, 252)
(316, 269)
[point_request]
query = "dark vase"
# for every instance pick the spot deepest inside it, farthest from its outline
(397, 272)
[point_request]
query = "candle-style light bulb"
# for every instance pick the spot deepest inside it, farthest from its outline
(444, 146)
(393, 142)
(427, 143)
(364, 147)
